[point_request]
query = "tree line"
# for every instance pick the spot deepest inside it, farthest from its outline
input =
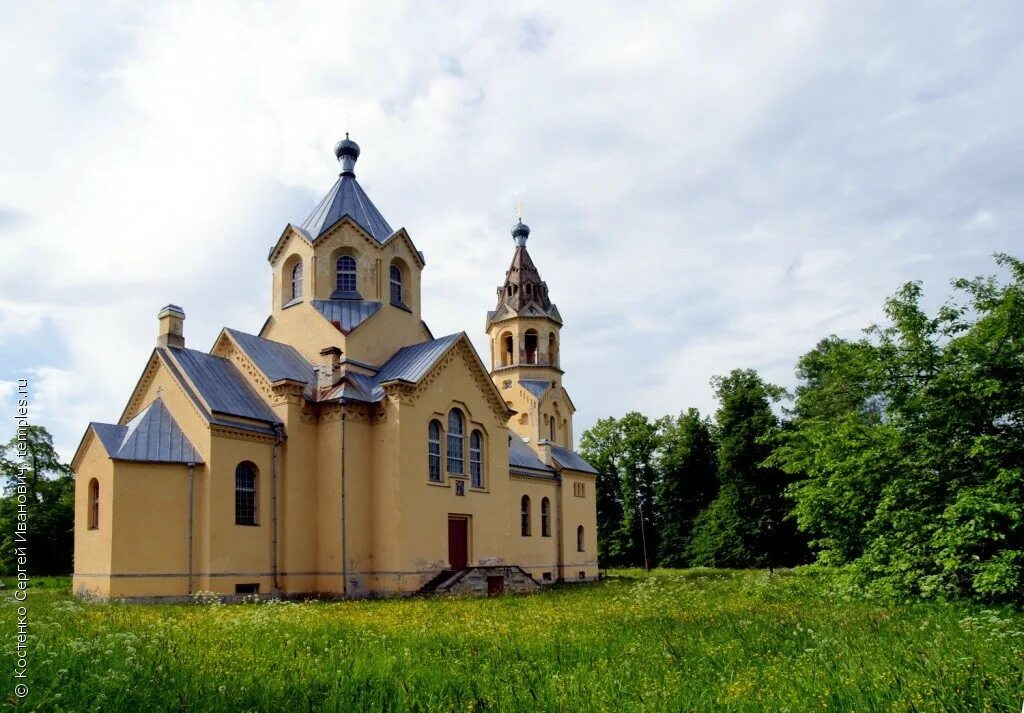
(898, 457)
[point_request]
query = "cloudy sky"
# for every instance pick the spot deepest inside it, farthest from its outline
(708, 187)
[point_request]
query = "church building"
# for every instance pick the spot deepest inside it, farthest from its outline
(343, 450)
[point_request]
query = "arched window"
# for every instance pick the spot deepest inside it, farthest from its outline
(507, 349)
(245, 494)
(579, 539)
(94, 504)
(552, 350)
(476, 465)
(346, 273)
(551, 436)
(297, 281)
(524, 516)
(396, 284)
(545, 518)
(434, 451)
(455, 445)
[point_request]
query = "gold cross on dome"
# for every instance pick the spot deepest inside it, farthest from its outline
(518, 207)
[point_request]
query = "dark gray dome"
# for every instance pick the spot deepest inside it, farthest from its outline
(347, 147)
(521, 230)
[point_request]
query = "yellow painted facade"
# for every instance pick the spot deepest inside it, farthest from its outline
(302, 460)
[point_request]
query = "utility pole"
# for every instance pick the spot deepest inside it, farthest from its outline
(643, 532)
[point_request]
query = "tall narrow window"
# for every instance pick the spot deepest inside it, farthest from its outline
(245, 494)
(434, 451)
(551, 437)
(297, 281)
(545, 518)
(346, 273)
(396, 284)
(455, 444)
(524, 516)
(530, 346)
(476, 465)
(94, 504)
(552, 350)
(579, 539)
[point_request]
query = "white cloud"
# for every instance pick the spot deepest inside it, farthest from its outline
(708, 186)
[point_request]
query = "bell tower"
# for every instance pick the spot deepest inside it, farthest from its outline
(524, 333)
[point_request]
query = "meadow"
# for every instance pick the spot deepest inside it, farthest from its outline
(671, 640)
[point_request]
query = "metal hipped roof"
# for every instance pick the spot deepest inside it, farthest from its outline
(348, 314)
(222, 386)
(347, 197)
(535, 386)
(521, 455)
(152, 436)
(571, 459)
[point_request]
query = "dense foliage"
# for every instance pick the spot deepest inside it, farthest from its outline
(901, 456)
(49, 494)
(696, 640)
(910, 445)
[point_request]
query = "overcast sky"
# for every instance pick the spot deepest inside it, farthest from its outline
(708, 187)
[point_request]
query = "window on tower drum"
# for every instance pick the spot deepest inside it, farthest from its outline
(245, 493)
(297, 281)
(524, 516)
(476, 464)
(455, 442)
(346, 273)
(434, 451)
(396, 285)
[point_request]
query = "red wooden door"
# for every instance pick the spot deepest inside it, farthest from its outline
(458, 542)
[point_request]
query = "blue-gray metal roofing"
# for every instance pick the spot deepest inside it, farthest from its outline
(413, 362)
(152, 436)
(521, 455)
(571, 459)
(276, 360)
(535, 386)
(349, 314)
(221, 385)
(347, 197)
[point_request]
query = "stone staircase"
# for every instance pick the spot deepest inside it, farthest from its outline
(478, 581)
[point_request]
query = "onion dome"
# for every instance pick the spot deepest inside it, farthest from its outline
(347, 152)
(520, 232)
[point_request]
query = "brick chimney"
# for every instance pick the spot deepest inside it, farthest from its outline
(329, 371)
(171, 332)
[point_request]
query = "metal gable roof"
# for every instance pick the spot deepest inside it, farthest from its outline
(222, 386)
(413, 362)
(276, 360)
(571, 459)
(152, 436)
(346, 197)
(348, 314)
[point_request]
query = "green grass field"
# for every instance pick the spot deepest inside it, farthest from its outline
(671, 640)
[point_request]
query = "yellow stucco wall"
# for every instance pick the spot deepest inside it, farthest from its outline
(356, 511)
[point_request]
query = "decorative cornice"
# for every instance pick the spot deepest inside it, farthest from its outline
(241, 435)
(462, 349)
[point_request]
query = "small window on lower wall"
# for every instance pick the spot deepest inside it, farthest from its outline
(252, 588)
(546, 576)
(583, 575)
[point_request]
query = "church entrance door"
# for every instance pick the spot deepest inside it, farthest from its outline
(458, 541)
